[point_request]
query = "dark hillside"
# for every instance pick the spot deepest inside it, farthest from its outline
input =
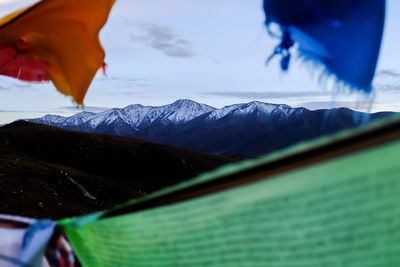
(51, 172)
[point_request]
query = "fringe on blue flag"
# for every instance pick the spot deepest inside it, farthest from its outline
(344, 36)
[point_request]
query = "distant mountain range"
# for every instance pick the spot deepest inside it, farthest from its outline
(250, 129)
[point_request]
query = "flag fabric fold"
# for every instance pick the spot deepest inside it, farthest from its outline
(55, 40)
(328, 202)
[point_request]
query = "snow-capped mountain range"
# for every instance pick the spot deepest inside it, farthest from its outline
(179, 112)
(137, 116)
(252, 128)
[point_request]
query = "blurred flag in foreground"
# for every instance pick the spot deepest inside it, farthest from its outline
(343, 35)
(55, 40)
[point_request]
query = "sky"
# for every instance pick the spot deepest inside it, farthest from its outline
(212, 52)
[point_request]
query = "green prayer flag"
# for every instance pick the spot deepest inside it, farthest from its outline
(332, 202)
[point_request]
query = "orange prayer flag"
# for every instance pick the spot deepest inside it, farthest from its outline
(55, 40)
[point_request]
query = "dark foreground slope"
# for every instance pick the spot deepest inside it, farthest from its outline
(51, 172)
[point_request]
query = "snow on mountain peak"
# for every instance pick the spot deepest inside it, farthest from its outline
(139, 116)
(258, 106)
(133, 107)
(181, 111)
(52, 118)
(184, 102)
(106, 117)
(184, 110)
(266, 108)
(222, 112)
(247, 108)
(78, 118)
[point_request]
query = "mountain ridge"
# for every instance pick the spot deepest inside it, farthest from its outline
(188, 124)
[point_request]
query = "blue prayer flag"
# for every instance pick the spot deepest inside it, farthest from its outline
(343, 35)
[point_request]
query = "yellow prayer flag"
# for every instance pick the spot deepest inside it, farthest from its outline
(55, 40)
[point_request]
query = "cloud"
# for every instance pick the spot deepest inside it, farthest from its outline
(358, 105)
(22, 111)
(163, 39)
(388, 81)
(269, 95)
(8, 84)
(7, 1)
(392, 88)
(214, 60)
(131, 81)
(94, 109)
(388, 73)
